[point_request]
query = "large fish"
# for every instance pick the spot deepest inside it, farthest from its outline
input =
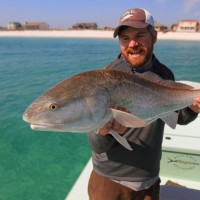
(88, 100)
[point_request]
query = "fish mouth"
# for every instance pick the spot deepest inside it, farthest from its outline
(43, 126)
(46, 127)
(25, 117)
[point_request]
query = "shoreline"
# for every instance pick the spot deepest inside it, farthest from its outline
(92, 34)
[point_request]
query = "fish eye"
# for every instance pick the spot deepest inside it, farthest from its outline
(53, 106)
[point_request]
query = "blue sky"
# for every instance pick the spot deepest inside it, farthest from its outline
(65, 13)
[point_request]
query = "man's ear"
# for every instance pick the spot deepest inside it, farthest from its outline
(155, 37)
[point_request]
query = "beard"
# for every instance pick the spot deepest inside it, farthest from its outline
(139, 56)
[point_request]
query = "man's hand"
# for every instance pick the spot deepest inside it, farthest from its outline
(114, 125)
(196, 105)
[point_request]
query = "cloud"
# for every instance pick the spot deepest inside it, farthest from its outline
(190, 5)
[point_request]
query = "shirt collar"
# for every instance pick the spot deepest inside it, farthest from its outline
(149, 67)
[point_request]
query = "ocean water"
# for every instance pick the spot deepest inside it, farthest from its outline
(44, 165)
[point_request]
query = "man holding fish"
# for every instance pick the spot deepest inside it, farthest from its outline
(124, 108)
(133, 174)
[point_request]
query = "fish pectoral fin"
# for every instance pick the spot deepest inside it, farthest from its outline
(121, 140)
(128, 119)
(171, 119)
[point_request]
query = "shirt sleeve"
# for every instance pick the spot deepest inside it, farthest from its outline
(186, 116)
(100, 143)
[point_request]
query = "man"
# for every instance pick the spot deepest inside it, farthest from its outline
(120, 174)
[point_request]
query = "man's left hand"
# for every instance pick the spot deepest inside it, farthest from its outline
(196, 105)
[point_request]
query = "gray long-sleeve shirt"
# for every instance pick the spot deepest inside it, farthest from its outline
(112, 160)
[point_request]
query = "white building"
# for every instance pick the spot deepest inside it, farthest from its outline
(36, 26)
(187, 26)
(14, 26)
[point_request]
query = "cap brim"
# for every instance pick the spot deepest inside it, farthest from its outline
(135, 24)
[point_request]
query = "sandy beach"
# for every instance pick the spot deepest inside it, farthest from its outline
(93, 34)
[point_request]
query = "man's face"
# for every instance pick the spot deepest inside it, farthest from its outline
(137, 46)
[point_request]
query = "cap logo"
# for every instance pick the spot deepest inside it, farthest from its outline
(126, 17)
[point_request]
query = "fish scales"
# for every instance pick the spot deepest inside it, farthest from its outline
(88, 100)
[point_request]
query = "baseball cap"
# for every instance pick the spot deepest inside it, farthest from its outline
(136, 17)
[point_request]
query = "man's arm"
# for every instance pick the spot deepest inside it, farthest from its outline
(100, 143)
(190, 113)
(101, 140)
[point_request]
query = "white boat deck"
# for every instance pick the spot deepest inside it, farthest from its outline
(180, 164)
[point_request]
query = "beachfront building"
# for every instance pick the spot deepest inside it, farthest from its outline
(160, 27)
(14, 26)
(79, 26)
(198, 27)
(174, 27)
(36, 26)
(107, 28)
(188, 26)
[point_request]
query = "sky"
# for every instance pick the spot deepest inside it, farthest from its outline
(106, 13)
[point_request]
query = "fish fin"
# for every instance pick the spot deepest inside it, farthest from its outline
(127, 119)
(194, 85)
(121, 140)
(152, 77)
(171, 119)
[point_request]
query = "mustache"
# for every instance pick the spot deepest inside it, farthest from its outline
(136, 50)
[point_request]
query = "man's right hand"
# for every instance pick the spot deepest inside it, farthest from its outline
(114, 125)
